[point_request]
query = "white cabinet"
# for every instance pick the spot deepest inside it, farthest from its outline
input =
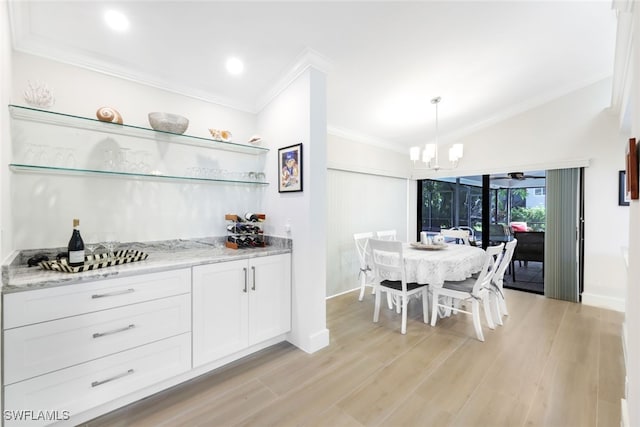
(76, 347)
(84, 386)
(238, 304)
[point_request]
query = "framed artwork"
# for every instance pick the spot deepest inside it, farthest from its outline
(623, 200)
(290, 167)
(632, 170)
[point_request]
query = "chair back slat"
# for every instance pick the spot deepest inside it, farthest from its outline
(456, 234)
(363, 248)
(509, 248)
(491, 262)
(387, 235)
(388, 261)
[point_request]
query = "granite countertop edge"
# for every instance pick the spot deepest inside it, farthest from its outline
(163, 256)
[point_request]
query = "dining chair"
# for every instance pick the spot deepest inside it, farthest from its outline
(472, 234)
(387, 235)
(458, 235)
(391, 277)
(530, 248)
(472, 290)
(365, 275)
(498, 301)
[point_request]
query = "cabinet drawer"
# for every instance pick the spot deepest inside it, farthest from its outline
(44, 347)
(91, 384)
(41, 305)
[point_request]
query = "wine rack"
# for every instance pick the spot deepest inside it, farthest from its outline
(245, 233)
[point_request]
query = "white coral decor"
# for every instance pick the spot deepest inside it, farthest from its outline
(38, 94)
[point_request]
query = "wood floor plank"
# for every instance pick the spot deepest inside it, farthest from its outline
(308, 402)
(552, 363)
(417, 411)
(379, 395)
(334, 417)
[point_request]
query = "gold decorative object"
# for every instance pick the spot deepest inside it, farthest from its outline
(108, 114)
(221, 135)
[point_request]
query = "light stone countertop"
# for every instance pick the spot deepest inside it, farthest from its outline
(163, 255)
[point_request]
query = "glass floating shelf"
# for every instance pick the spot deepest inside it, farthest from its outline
(50, 117)
(150, 176)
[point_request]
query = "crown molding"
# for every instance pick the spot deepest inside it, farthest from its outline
(308, 58)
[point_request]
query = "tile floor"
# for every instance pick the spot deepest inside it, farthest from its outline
(529, 278)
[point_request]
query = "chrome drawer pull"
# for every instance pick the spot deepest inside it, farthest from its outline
(124, 374)
(112, 294)
(253, 286)
(245, 279)
(115, 331)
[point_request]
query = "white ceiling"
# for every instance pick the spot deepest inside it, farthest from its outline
(487, 60)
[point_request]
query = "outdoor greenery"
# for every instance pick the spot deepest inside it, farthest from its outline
(534, 217)
(439, 209)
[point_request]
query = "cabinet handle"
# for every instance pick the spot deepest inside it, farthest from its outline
(112, 294)
(115, 331)
(245, 279)
(124, 374)
(253, 286)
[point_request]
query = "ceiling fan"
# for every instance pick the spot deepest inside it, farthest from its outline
(519, 176)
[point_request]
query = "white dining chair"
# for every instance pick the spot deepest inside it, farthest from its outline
(365, 275)
(498, 301)
(472, 290)
(387, 235)
(458, 235)
(391, 277)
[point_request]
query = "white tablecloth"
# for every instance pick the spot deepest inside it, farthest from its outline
(433, 267)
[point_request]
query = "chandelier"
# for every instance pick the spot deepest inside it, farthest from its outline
(430, 152)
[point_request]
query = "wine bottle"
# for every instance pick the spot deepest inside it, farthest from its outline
(75, 255)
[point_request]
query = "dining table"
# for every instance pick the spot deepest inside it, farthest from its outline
(428, 264)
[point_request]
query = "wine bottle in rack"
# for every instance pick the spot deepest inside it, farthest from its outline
(251, 217)
(75, 254)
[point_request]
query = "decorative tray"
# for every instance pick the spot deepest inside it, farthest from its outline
(94, 262)
(418, 245)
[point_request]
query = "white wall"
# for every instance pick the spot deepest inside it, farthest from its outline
(298, 115)
(5, 148)
(42, 206)
(632, 315)
(362, 156)
(359, 203)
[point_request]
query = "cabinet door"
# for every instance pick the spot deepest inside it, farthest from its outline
(269, 297)
(220, 310)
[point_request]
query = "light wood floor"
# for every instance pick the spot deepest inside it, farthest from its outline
(553, 363)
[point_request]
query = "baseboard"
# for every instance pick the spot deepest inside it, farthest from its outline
(603, 301)
(624, 413)
(314, 342)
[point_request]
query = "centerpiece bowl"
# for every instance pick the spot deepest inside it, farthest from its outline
(168, 122)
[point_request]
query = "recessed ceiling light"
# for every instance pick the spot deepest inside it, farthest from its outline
(234, 66)
(117, 21)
